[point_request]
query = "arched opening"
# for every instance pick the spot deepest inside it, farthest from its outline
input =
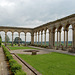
(47, 37)
(55, 37)
(15, 41)
(37, 38)
(43, 36)
(69, 35)
(70, 38)
(22, 36)
(59, 36)
(62, 36)
(2, 33)
(9, 38)
(40, 38)
(28, 38)
(34, 38)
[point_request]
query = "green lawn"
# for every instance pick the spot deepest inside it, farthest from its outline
(52, 63)
(21, 47)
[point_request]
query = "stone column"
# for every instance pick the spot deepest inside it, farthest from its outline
(41, 37)
(32, 38)
(54, 39)
(66, 38)
(25, 39)
(38, 37)
(12, 38)
(73, 41)
(49, 37)
(59, 38)
(5, 38)
(19, 39)
(45, 38)
(73, 38)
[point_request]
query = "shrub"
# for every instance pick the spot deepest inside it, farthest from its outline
(20, 72)
(15, 67)
(12, 61)
(9, 57)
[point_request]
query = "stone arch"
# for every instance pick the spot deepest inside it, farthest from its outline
(2, 33)
(15, 34)
(9, 33)
(28, 37)
(22, 36)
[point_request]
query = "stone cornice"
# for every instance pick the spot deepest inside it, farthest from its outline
(44, 26)
(59, 20)
(6, 27)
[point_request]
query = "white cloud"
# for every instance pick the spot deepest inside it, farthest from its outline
(32, 13)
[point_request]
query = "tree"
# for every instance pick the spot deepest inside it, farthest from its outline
(7, 38)
(17, 39)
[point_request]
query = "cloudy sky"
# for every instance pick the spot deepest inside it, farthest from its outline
(32, 13)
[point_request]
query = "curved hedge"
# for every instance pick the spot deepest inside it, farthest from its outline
(16, 68)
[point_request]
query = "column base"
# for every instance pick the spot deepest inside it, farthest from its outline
(51, 47)
(64, 48)
(18, 44)
(5, 44)
(25, 45)
(72, 50)
(57, 48)
(12, 44)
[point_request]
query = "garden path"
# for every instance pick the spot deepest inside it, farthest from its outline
(3, 64)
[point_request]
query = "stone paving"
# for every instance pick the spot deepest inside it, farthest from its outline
(3, 64)
(41, 51)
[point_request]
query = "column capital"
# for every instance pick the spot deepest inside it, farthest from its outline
(66, 29)
(59, 31)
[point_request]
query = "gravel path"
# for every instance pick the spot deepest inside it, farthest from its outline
(3, 65)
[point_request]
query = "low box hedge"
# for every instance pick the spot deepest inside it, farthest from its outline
(16, 69)
(20, 72)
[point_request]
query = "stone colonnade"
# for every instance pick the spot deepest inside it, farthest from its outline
(12, 38)
(51, 26)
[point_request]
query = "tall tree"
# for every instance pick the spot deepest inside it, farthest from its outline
(17, 39)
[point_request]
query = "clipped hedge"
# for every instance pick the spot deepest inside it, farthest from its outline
(16, 68)
(20, 72)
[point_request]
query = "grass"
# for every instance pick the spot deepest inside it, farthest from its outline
(52, 63)
(17, 48)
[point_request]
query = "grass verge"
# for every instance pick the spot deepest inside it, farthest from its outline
(52, 63)
(21, 47)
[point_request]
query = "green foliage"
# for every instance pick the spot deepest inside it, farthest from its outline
(12, 61)
(52, 63)
(9, 57)
(14, 66)
(20, 72)
(17, 39)
(21, 47)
